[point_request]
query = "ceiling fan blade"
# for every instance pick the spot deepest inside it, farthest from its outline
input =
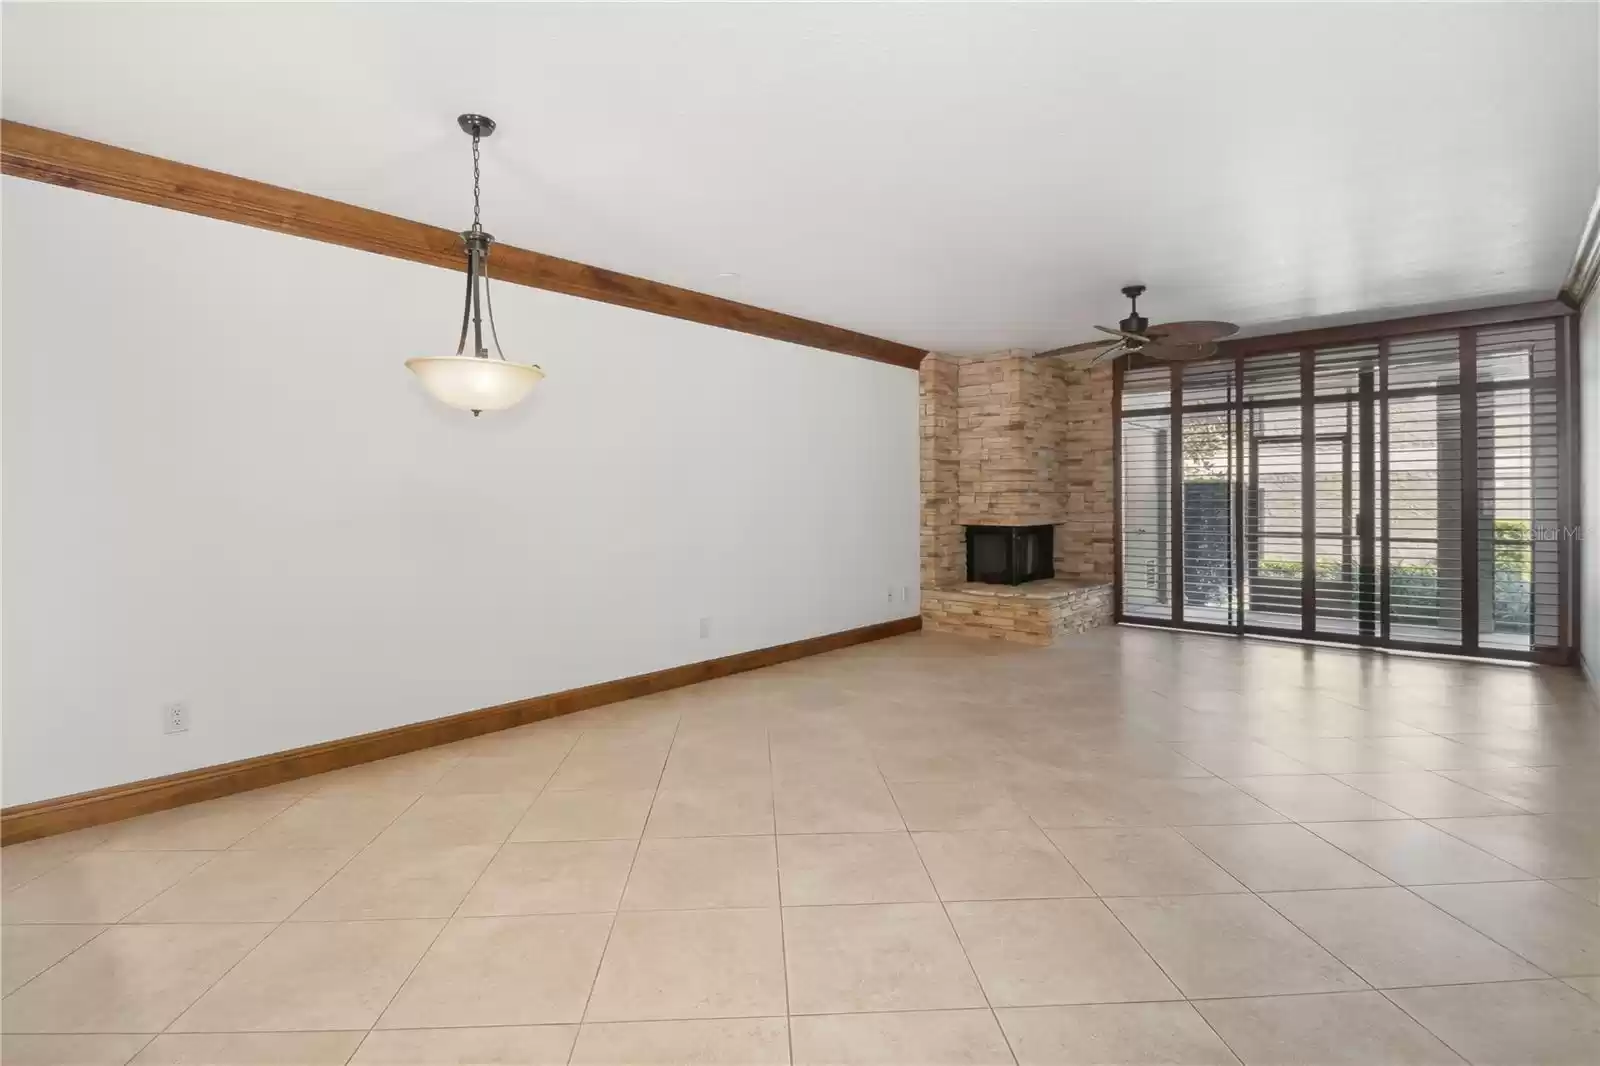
(1191, 332)
(1073, 348)
(1178, 353)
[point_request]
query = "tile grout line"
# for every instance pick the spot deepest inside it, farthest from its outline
(945, 910)
(53, 867)
(777, 859)
(215, 855)
(1484, 933)
(1422, 1025)
(1491, 795)
(1384, 990)
(1518, 812)
(1412, 887)
(65, 957)
(1392, 884)
(280, 924)
(605, 947)
(1454, 836)
(1331, 954)
(857, 1013)
(378, 1017)
(108, 835)
(1139, 943)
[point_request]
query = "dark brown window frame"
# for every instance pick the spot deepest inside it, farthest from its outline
(1464, 324)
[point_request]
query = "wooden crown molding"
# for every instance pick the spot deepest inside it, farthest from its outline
(30, 821)
(1327, 336)
(60, 159)
(1585, 273)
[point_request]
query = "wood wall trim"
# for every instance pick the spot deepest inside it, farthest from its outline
(29, 821)
(1584, 276)
(60, 159)
(1393, 327)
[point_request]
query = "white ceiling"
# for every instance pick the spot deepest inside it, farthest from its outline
(956, 177)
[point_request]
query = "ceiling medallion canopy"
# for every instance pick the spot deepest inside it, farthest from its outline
(476, 382)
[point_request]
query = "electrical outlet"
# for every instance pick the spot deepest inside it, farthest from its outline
(175, 718)
(705, 628)
(891, 593)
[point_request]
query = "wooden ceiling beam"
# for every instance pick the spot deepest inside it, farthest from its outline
(74, 163)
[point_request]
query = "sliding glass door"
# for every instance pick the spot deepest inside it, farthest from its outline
(1405, 490)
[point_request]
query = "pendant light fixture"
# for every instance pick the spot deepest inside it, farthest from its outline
(476, 382)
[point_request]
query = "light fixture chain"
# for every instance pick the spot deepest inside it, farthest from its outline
(475, 187)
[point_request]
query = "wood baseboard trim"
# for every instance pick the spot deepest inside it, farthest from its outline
(1590, 677)
(61, 159)
(30, 821)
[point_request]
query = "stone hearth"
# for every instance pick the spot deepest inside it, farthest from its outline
(1034, 613)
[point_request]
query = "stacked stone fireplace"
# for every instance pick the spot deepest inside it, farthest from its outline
(1010, 442)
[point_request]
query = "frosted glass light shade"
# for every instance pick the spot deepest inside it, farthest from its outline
(473, 384)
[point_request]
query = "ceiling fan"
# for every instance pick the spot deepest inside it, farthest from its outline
(1134, 335)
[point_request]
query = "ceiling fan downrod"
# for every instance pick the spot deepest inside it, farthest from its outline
(1135, 322)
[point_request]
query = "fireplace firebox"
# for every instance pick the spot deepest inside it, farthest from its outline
(1010, 555)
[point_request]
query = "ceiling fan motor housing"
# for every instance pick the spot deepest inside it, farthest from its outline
(1135, 322)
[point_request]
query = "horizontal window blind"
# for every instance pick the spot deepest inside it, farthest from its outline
(1145, 494)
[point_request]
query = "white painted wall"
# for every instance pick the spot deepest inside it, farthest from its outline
(1589, 464)
(222, 487)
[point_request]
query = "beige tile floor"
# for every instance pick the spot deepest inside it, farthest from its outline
(1137, 847)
